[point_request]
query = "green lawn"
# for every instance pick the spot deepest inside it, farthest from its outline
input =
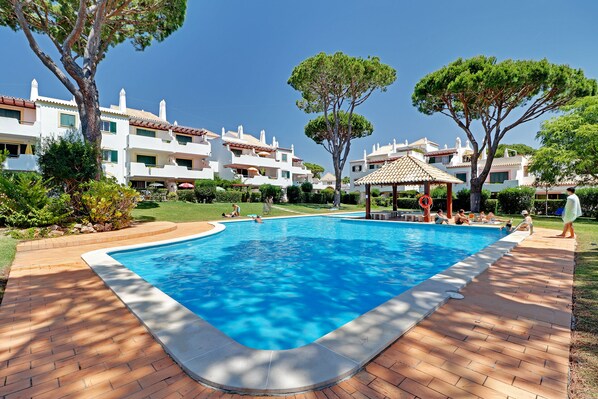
(176, 211)
(8, 248)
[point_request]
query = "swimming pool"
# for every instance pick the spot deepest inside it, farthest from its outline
(287, 282)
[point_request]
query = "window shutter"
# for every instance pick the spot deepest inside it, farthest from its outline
(114, 154)
(112, 127)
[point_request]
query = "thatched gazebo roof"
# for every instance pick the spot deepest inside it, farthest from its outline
(407, 170)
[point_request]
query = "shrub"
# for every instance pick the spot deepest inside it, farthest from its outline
(187, 195)
(463, 199)
(68, 161)
(205, 190)
(172, 196)
(516, 199)
(328, 194)
(229, 196)
(588, 197)
(108, 202)
(407, 203)
(553, 205)
(440, 192)
(491, 205)
(351, 198)
(25, 201)
(255, 197)
(294, 194)
(307, 187)
(408, 194)
(381, 201)
(318, 198)
(375, 192)
(268, 190)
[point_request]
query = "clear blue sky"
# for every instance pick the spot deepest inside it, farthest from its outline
(230, 62)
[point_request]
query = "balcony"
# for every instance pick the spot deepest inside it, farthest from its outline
(169, 146)
(14, 127)
(21, 163)
(259, 180)
(255, 161)
(138, 169)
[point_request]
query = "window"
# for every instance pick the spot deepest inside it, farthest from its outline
(185, 162)
(147, 160)
(237, 153)
(24, 148)
(146, 133)
(13, 149)
(10, 113)
(499, 177)
(110, 156)
(372, 166)
(356, 168)
(462, 176)
(432, 160)
(286, 174)
(108, 127)
(466, 158)
(284, 157)
(67, 120)
(183, 139)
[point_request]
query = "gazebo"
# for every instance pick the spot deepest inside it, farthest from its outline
(408, 170)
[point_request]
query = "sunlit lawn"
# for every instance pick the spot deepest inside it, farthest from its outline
(7, 254)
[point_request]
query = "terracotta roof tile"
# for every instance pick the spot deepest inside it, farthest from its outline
(407, 170)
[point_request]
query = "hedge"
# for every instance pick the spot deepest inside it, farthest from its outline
(588, 197)
(268, 190)
(229, 196)
(187, 195)
(205, 190)
(553, 205)
(351, 198)
(294, 194)
(516, 199)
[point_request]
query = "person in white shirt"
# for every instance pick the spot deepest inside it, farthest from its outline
(572, 212)
(526, 224)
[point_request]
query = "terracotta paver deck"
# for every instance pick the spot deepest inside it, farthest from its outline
(64, 334)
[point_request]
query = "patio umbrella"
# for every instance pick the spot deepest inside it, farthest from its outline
(28, 150)
(263, 153)
(156, 185)
(185, 185)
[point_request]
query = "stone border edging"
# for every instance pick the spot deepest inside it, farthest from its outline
(213, 358)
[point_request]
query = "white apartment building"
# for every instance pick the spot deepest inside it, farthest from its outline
(137, 146)
(239, 155)
(508, 171)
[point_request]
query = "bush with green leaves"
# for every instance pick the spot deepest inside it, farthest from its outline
(513, 200)
(381, 201)
(408, 194)
(463, 199)
(307, 187)
(255, 197)
(67, 161)
(228, 196)
(351, 198)
(552, 204)
(205, 190)
(172, 196)
(294, 194)
(25, 201)
(268, 190)
(106, 201)
(375, 192)
(186, 195)
(588, 197)
(328, 194)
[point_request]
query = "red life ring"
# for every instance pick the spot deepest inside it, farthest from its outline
(428, 203)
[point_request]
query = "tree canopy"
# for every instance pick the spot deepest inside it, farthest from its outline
(487, 99)
(317, 129)
(335, 84)
(315, 169)
(82, 31)
(571, 142)
(522, 149)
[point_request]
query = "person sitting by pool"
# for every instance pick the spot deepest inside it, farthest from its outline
(527, 224)
(490, 218)
(460, 217)
(235, 213)
(482, 218)
(440, 218)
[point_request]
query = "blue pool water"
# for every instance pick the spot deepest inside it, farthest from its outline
(287, 282)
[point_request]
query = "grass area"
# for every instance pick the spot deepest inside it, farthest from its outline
(176, 211)
(8, 248)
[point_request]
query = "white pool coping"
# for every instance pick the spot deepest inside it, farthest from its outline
(213, 358)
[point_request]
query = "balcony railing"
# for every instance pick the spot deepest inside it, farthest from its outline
(255, 160)
(15, 127)
(169, 146)
(138, 169)
(23, 162)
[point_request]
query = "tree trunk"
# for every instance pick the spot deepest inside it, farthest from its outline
(337, 185)
(475, 196)
(89, 113)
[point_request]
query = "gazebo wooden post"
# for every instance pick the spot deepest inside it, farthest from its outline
(394, 197)
(427, 210)
(449, 200)
(368, 214)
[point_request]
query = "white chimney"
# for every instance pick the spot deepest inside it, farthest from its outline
(122, 100)
(263, 137)
(445, 146)
(176, 123)
(274, 143)
(406, 142)
(506, 154)
(365, 154)
(293, 149)
(458, 142)
(377, 146)
(162, 113)
(394, 145)
(34, 90)
(223, 132)
(467, 145)
(240, 132)
(425, 140)
(373, 147)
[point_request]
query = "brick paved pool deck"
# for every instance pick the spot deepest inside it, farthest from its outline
(63, 333)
